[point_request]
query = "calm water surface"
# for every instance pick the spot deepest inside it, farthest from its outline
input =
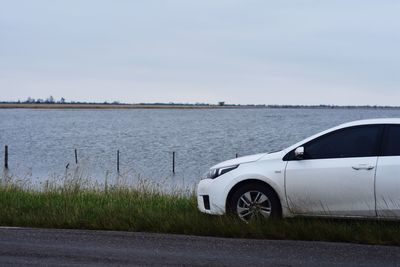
(42, 142)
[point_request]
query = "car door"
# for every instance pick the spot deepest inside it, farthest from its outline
(388, 175)
(337, 174)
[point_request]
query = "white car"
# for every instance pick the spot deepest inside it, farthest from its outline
(352, 170)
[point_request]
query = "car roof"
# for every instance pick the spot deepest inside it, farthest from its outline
(371, 121)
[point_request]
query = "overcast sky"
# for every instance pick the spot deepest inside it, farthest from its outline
(248, 51)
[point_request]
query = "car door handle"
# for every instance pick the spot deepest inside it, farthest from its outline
(363, 167)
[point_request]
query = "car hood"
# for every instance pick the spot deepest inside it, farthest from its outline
(241, 160)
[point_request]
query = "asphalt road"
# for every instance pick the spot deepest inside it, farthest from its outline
(21, 247)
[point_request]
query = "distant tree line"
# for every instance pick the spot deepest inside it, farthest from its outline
(49, 100)
(52, 100)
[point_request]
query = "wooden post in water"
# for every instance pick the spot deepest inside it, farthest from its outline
(76, 156)
(6, 157)
(118, 161)
(173, 162)
(237, 155)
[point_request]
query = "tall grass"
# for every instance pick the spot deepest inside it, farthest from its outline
(144, 210)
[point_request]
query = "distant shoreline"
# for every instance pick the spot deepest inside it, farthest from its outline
(117, 106)
(173, 106)
(88, 106)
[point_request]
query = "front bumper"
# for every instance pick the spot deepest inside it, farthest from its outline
(210, 198)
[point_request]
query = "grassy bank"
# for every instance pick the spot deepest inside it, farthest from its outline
(130, 210)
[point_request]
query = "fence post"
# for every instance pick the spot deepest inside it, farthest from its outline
(118, 161)
(6, 157)
(173, 162)
(76, 156)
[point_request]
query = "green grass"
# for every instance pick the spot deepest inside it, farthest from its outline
(146, 211)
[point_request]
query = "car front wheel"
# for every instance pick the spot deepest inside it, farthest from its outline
(254, 201)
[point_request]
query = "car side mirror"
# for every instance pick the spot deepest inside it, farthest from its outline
(299, 153)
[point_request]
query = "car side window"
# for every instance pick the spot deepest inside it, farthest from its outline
(392, 141)
(359, 141)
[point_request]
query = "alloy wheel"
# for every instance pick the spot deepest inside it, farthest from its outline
(253, 205)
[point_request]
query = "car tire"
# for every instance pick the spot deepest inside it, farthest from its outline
(254, 201)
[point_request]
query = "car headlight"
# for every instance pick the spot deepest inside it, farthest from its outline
(215, 173)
